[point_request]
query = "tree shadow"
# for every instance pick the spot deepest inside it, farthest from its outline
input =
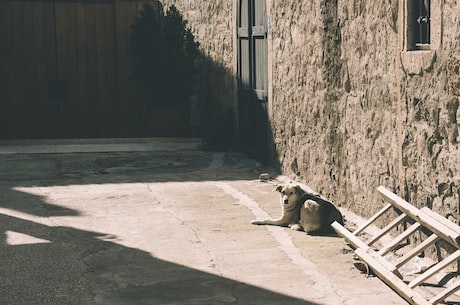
(17, 200)
(73, 266)
(244, 127)
(68, 265)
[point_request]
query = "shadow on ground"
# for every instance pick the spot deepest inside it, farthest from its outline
(113, 167)
(66, 265)
(72, 266)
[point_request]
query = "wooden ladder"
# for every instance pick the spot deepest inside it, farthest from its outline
(441, 229)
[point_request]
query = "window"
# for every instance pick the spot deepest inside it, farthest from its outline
(420, 34)
(419, 24)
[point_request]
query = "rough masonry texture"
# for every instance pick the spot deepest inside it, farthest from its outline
(336, 85)
(341, 135)
(351, 107)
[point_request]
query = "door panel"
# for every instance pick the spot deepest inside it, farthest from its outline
(58, 69)
(27, 61)
(67, 71)
(86, 63)
(260, 69)
(252, 77)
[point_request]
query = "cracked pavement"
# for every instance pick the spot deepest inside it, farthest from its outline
(158, 221)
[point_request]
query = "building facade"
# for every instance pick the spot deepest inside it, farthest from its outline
(343, 95)
(358, 94)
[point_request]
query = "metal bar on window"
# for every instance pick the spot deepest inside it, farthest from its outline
(422, 28)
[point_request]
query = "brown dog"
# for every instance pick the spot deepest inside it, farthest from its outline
(303, 211)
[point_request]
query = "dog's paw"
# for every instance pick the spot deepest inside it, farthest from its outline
(296, 227)
(257, 222)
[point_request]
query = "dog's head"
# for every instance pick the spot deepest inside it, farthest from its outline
(290, 194)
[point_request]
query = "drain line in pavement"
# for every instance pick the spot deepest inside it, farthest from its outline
(286, 245)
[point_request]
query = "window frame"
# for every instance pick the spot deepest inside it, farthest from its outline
(418, 25)
(415, 59)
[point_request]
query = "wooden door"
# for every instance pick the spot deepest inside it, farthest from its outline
(86, 68)
(58, 69)
(27, 62)
(252, 77)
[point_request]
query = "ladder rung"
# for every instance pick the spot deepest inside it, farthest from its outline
(445, 293)
(422, 246)
(372, 219)
(436, 268)
(387, 228)
(449, 235)
(399, 239)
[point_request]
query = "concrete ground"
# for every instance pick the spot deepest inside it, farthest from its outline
(158, 221)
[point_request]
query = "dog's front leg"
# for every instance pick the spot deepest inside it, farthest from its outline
(273, 222)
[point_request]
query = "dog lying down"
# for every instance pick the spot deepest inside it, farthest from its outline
(304, 211)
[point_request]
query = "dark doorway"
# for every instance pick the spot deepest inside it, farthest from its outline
(252, 77)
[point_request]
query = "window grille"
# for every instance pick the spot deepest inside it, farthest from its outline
(421, 23)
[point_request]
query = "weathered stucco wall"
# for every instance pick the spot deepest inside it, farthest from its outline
(335, 123)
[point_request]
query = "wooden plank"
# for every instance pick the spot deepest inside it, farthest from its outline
(243, 21)
(386, 229)
(123, 86)
(243, 32)
(436, 268)
(372, 219)
(446, 222)
(259, 31)
(445, 293)
(69, 119)
(83, 24)
(245, 63)
(92, 94)
(6, 71)
(51, 111)
(260, 13)
(123, 17)
(390, 246)
(128, 93)
(357, 243)
(106, 72)
(419, 248)
(351, 238)
(442, 228)
(392, 280)
(28, 85)
(43, 119)
(101, 64)
(446, 233)
(260, 66)
(259, 49)
(17, 108)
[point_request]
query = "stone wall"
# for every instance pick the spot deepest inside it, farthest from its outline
(338, 135)
(350, 109)
(348, 117)
(431, 152)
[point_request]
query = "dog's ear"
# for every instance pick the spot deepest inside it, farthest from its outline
(279, 187)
